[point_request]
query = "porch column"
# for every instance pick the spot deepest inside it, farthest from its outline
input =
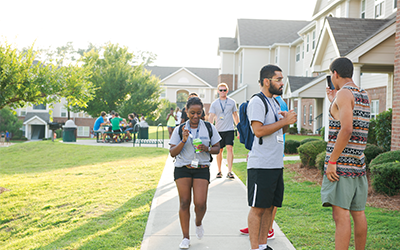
(357, 74)
(299, 110)
(326, 117)
(389, 91)
(291, 106)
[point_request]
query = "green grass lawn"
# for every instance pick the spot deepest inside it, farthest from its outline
(67, 196)
(308, 225)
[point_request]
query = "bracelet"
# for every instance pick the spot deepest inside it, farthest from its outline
(183, 142)
(332, 162)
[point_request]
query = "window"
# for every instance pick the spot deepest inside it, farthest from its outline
(63, 112)
(374, 108)
(202, 93)
(276, 55)
(302, 52)
(306, 73)
(304, 114)
(39, 107)
(313, 39)
(23, 112)
(378, 8)
(394, 4)
(83, 131)
(308, 42)
(298, 53)
(80, 114)
(311, 119)
(363, 8)
(295, 109)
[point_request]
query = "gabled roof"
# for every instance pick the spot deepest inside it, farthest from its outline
(228, 43)
(349, 33)
(42, 115)
(209, 75)
(296, 82)
(262, 32)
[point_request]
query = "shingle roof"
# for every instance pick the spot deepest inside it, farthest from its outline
(227, 43)
(350, 33)
(44, 116)
(256, 32)
(296, 82)
(209, 75)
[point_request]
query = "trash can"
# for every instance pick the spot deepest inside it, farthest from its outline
(69, 131)
(144, 133)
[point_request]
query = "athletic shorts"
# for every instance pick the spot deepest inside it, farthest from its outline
(117, 130)
(194, 173)
(348, 193)
(265, 187)
(227, 138)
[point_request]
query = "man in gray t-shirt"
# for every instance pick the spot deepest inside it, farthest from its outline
(224, 112)
(265, 159)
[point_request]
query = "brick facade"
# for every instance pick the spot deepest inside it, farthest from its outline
(307, 103)
(228, 79)
(396, 87)
(378, 94)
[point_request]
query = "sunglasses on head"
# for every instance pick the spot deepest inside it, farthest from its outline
(222, 90)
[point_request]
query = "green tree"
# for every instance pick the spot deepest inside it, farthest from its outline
(383, 129)
(9, 121)
(24, 80)
(120, 86)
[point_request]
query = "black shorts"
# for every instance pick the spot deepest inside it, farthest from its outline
(227, 138)
(117, 130)
(265, 187)
(194, 173)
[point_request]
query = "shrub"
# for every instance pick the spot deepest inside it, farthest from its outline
(304, 141)
(303, 131)
(320, 161)
(391, 156)
(386, 178)
(383, 129)
(293, 130)
(322, 132)
(59, 133)
(371, 151)
(309, 151)
(291, 146)
(371, 132)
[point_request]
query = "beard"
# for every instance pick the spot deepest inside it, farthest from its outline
(275, 90)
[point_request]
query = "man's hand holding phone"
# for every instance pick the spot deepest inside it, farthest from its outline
(330, 90)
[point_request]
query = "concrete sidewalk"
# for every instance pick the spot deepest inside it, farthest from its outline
(226, 214)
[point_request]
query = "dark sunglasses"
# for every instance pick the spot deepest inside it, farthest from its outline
(222, 90)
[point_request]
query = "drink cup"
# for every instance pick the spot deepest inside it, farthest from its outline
(197, 142)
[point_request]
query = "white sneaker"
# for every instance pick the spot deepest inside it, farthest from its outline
(184, 244)
(199, 232)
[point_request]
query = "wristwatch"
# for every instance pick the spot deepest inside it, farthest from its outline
(209, 149)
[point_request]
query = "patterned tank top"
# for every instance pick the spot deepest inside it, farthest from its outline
(351, 162)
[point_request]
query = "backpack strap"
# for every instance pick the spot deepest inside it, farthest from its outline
(263, 100)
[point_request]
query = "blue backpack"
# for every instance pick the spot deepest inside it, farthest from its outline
(243, 127)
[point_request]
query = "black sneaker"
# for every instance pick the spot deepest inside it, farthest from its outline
(268, 248)
(230, 175)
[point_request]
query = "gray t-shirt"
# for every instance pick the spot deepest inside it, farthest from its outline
(223, 110)
(269, 155)
(187, 154)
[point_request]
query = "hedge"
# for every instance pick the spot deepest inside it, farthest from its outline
(371, 151)
(309, 151)
(391, 156)
(304, 141)
(320, 161)
(386, 178)
(291, 146)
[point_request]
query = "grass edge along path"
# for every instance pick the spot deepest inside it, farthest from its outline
(308, 225)
(76, 197)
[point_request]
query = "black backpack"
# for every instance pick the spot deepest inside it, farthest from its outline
(209, 129)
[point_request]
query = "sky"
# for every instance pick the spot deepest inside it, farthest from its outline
(182, 33)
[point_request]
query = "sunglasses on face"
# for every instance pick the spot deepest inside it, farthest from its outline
(222, 90)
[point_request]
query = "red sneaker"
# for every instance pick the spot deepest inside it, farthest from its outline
(271, 234)
(244, 231)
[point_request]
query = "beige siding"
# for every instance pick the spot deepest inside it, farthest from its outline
(227, 63)
(184, 79)
(254, 60)
(369, 8)
(369, 80)
(355, 9)
(381, 54)
(318, 90)
(329, 55)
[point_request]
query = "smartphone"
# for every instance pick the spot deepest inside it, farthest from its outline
(329, 82)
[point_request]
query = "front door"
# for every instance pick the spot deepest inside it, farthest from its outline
(37, 132)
